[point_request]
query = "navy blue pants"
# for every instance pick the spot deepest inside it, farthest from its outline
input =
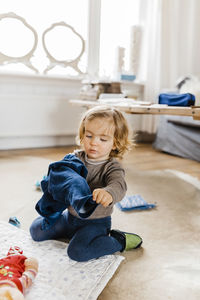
(88, 238)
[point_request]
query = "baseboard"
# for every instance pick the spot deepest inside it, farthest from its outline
(25, 142)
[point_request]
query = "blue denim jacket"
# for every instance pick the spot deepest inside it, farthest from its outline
(65, 185)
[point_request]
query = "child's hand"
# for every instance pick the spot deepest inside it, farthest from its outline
(103, 197)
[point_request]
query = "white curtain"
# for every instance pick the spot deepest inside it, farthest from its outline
(171, 47)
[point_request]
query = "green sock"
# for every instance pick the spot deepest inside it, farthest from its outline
(132, 241)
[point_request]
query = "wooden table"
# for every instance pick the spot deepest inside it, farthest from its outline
(152, 109)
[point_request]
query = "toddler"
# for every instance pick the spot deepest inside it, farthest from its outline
(103, 137)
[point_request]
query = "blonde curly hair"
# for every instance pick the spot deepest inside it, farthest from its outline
(122, 142)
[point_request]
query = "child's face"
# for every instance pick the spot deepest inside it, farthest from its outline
(98, 140)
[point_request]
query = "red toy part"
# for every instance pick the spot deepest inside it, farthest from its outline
(15, 250)
(12, 268)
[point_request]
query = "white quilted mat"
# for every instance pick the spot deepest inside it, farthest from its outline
(59, 277)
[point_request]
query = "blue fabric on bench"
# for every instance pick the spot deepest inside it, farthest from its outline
(177, 99)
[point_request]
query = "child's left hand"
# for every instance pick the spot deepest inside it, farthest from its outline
(102, 196)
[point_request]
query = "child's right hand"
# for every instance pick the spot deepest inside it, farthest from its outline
(103, 197)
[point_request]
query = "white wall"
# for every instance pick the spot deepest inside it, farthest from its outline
(35, 112)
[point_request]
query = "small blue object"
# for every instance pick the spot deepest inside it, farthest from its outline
(128, 77)
(134, 202)
(186, 99)
(14, 221)
(38, 183)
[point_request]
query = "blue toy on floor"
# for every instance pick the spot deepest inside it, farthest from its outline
(134, 202)
(14, 221)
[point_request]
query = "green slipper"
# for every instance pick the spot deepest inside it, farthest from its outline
(126, 239)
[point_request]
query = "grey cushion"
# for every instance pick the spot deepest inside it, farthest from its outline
(179, 138)
(183, 120)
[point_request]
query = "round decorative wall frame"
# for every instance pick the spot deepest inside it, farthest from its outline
(25, 59)
(73, 63)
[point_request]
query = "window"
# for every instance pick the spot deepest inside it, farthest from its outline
(103, 24)
(117, 18)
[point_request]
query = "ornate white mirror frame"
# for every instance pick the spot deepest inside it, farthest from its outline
(25, 59)
(64, 63)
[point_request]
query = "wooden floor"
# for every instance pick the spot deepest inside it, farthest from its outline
(142, 157)
(165, 267)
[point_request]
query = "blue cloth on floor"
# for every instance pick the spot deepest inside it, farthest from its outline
(186, 99)
(134, 202)
(65, 185)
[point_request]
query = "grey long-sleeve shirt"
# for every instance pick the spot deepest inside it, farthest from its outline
(108, 175)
